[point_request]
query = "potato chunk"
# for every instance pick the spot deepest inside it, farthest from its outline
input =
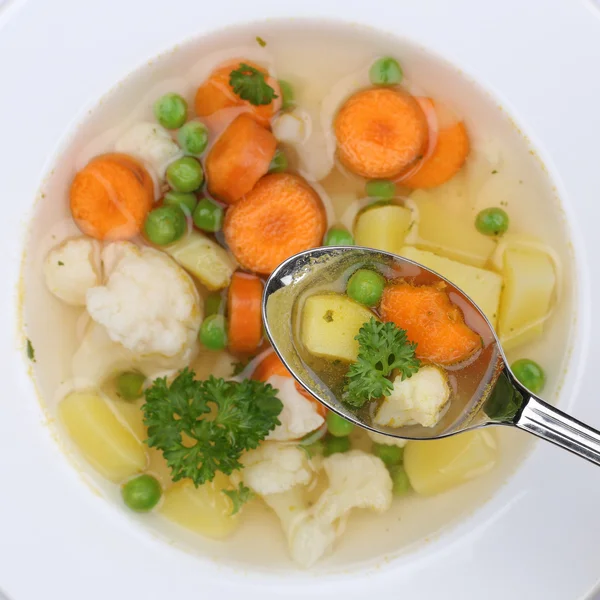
(434, 466)
(451, 235)
(529, 281)
(204, 259)
(383, 228)
(330, 323)
(205, 510)
(481, 285)
(104, 441)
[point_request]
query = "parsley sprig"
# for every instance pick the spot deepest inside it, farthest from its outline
(239, 497)
(383, 349)
(202, 427)
(250, 84)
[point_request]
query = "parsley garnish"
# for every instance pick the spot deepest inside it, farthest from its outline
(30, 351)
(240, 365)
(239, 497)
(383, 349)
(504, 401)
(260, 41)
(219, 419)
(249, 84)
(61, 263)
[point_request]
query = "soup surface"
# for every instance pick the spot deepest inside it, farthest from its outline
(170, 205)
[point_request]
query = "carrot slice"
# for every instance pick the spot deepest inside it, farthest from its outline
(380, 132)
(111, 196)
(244, 313)
(239, 158)
(431, 320)
(272, 365)
(216, 94)
(446, 160)
(281, 216)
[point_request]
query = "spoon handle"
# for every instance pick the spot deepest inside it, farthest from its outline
(555, 426)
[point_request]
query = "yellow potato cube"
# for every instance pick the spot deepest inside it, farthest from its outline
(204, 259)
(330, 323)
(205, 510)
(529, 282)
(443, 232)
(482, 286)
(108, 445)
(434, 466)
(383, 227)
(132, 416)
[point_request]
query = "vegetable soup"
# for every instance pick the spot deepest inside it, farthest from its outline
(176, 198)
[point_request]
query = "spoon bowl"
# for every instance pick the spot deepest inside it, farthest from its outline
(495, 398)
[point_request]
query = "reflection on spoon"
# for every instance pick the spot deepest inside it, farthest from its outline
(319, 350)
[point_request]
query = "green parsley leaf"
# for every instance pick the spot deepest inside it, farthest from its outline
(260, 41)
(250, 84)
(202, 427)
(30, 351)
(504, 400)
(240, 365)
(61, 263)
(239, 497)
(383, 349)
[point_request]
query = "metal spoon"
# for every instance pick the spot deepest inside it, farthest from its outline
(498, 399)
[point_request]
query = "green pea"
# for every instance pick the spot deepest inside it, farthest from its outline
(385, 71)
(400, 482)
(165, 225)
(492, 221)
(130, 385)
(333, 445)
(208, 215)
(141, 493)
(380, 188)
(366, 287)
(214, 304)
(279, 163)
(390, 455)
(338, 426)
(530, 374)
(185, 174)
(193, 137)
(186, 201)
(170, 111)
(337, 236)
(213, 332)
(287, 94)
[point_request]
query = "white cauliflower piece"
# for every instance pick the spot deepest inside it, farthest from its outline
(299, 415)
(151, 143)
(274, 467)
(290, 128)
(387, 440)
(148, 303)
(71, 269)
(421, 400)
(356, 480)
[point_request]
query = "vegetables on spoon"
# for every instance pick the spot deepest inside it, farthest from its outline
(196, 446)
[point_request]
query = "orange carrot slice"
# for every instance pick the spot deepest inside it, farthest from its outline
(216, 94)
(244, 313)
(446, 159)
(272, 365)
(380, 132)
(431, 320)
(111, 196)
(239, 158)
(281, 216)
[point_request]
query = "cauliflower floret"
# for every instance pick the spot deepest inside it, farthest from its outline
(148, 303)
(71, 269)
(274, 467)
(151, 143)
(421, 399)
(356, 480)
(299, 415)
(387, 440)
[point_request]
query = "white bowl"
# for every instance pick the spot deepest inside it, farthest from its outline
(535, 538)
